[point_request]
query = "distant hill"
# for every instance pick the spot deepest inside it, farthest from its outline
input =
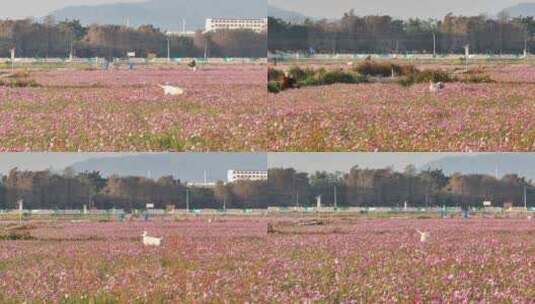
(165, 14)
(286, 15)
(185, 166)
(521, 9)
(522, 164)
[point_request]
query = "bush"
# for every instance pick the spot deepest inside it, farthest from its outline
(16, 235)
(275, 75)
(425, 76)
(432, 75)
(23, 83)
(310, 81)
(20, 74)
(311, 77)
(19, 83)
(274, 87)
(383, 69)
(301, 74)
(478, 79)
(339, 76)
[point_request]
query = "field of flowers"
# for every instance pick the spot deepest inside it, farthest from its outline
(233, 259)
(223, 108)
(389, 117)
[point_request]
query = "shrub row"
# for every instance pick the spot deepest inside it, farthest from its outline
(311, 77)
(383, 69)
(408, 75)
(19, 83)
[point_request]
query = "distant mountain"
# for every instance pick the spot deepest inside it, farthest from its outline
(522, 9)
(185, 166)
(286, 15)
(165, 14)
(522, 164)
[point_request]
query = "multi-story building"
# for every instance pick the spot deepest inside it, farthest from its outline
(246, 175)
(255, 24)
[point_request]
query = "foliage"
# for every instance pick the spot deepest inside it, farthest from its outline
(383, 68)
(385, 34)
(50, 39)
(284, 187)
(426, 75)
(275, 74)
(274, 87)
(475, 78)
(312, 77)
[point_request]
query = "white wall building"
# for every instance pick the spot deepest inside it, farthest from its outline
(181, 34)
(255, 24)
(246, 175)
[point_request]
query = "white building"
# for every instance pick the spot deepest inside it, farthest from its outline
(206, 185)
(246, 175)
(181, 34)
(255, 24)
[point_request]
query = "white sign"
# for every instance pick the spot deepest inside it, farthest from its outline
(13, 54)
(131, 54)
(150, 206)
(20, 202)
(487, 203)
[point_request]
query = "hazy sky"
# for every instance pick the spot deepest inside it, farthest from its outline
(306, 162)
(397, 8)
(187, 166)
(332, 162)
(15, 9)
(42, 161)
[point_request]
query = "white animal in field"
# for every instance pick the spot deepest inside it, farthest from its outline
(424, 236)
(171, 90)
(150, 240)
(436, 87)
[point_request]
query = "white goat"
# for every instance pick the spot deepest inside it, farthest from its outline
(424, 236)
(171, 90)
(436, 87)
(150, 240)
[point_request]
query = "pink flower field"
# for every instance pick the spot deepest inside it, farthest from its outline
(388, 117)
(234, 260)
(223, 108)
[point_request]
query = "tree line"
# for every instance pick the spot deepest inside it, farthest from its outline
(284, 188)
(59, 39)
(385, 34)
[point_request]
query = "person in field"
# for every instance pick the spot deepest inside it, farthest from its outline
(288, 82)
(193, 65)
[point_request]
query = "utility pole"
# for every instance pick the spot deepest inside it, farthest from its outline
(71, 55)
(335, 199)
(466, 56)
(526, 48)
(168, 48)
(21, 210)
(434, 45)
(13, 59)
(525, 198)
(187, 199)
